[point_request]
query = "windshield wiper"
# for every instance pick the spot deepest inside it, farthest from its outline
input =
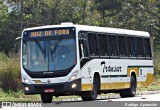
(40, 47)
(56, 46)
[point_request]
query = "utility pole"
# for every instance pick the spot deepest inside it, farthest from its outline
(21, 16)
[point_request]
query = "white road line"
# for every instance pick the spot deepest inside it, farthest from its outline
(152, 97)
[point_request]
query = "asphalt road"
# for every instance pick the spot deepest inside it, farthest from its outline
(152, 100)
(149, 100)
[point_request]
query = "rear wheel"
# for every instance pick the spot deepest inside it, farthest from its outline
(91, 95)
(131, 92)
(46, 98)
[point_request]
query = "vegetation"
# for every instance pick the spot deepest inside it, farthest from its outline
(17, 96)
(10, 73)
(143, 15)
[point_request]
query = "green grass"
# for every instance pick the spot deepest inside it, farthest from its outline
(17, 96)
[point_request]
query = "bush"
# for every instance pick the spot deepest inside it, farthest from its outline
(10, 76)
(3, 58)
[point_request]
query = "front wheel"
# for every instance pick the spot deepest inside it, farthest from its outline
(91, 95)
(131, 92)
(46, 98)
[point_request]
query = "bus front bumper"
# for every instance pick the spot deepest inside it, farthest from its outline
(72, 87)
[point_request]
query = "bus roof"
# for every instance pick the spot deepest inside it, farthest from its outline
(96, 29)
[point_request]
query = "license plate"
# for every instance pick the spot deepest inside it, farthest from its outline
(48, 90)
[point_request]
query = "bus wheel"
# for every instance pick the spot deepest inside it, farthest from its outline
(46, 98)
(91, 95)
(131, 92)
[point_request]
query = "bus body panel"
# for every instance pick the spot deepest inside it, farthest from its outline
(116, 79)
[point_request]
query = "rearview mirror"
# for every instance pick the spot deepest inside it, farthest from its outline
(17, 39)
(15, 48)
(16, 44)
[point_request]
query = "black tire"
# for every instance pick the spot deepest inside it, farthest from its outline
(131, 92)
(46, 98)
(91, 95)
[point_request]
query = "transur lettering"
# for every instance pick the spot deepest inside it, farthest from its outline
(110, 68)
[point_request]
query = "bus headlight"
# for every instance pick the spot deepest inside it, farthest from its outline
(73, 76)
(24, 80)
(74, 85)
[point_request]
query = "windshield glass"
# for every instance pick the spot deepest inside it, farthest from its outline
(49, 55)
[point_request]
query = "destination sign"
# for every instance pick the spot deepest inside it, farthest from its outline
(46, 33)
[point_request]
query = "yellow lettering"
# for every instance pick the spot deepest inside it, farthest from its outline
(40, 33)
(32, 34)
(36, 34)
(61, 32)
(55, 32)
(48, 33)
(67, 31)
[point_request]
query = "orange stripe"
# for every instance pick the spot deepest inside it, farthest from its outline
(133, 69)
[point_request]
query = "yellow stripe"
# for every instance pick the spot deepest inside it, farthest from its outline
(139, 84)
(133, 69)
(120, 85)
(87, 87)
(105, 86)
(148, 81)
(37, 81)
(115, 85)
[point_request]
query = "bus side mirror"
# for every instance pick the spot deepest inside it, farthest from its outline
(17, 40)
(15, 48)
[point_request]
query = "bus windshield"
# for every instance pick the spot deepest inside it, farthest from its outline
(49, 55)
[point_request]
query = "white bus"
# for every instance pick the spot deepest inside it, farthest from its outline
(82, 60)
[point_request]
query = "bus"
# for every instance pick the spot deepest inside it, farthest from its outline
(72, 59)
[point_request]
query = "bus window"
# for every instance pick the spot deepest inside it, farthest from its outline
(112, 45)
(139, 47)
(83, 45)
(92, 44)
(102, 45)
(122, 46)
(147, 47)
(131, 47)
(80, 50)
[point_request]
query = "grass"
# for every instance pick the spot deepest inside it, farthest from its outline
(17, 96)
(10, 76)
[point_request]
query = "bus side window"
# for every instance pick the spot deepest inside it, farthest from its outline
(147, 48)
(131, 47)
(139, 47)
(93, 44)
(102, 45)
(80, 50)
(83, 48)
(122, 46)
(112, 45)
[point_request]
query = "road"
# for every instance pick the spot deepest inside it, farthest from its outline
(150, 100)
